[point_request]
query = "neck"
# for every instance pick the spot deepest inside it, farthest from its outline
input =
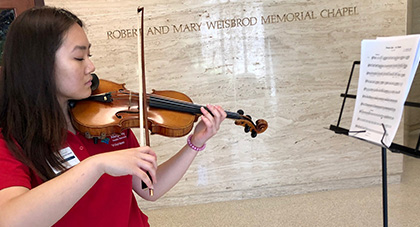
(65, 108)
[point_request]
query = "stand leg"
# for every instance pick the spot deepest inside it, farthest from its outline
(384, 188)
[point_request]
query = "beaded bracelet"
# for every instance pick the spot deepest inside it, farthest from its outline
(192, 146)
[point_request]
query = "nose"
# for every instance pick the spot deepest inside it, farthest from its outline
(90, 67)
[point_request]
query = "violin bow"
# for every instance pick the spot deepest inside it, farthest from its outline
(144, 130)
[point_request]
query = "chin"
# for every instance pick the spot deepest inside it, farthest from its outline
(87, 94)
(84, 95)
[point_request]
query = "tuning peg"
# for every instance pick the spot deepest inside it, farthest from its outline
(254, 134)
(241, 112)
(247, 128)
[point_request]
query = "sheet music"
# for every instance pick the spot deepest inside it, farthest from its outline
(387, 70)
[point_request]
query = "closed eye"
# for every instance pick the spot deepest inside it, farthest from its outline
(81, 59)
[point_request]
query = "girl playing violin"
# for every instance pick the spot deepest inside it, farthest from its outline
(52, 175)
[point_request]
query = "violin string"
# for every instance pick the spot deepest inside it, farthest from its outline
(190, 107)
(179, 104)
(176, 105)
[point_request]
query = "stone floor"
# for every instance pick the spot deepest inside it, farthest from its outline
(353, 207)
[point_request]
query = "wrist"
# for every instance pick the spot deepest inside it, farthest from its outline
(95, 164)
(194, 145)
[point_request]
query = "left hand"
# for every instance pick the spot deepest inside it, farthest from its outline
(209, 125)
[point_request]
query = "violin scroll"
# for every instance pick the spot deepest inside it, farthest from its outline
(246, 121)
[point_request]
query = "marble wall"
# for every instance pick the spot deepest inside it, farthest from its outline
(412, 121)
(282, 61)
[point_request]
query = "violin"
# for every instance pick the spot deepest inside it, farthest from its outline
(112, 108)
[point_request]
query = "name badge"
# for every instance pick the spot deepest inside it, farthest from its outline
(69, 159)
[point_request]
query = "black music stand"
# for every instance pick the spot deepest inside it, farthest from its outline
(396, 148)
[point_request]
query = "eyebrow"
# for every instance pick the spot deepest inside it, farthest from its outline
(77, 47)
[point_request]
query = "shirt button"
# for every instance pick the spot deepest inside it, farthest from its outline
(81, 148)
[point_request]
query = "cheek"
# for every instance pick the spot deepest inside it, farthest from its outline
(70, 79)
(64, 88)
(71, 85)
(73, 90)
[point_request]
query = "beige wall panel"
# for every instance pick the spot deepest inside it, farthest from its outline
(412, 120)
(288, 70)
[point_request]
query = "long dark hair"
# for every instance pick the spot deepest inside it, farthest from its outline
(31, 119)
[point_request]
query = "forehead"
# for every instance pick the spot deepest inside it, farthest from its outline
(74, 37)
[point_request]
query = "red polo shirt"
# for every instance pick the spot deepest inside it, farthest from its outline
(110, 202)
